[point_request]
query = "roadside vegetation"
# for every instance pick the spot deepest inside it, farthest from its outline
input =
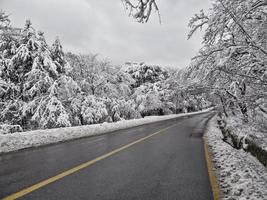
(42, 87)
(232, 65)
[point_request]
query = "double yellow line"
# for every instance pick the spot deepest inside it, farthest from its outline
(43, 183)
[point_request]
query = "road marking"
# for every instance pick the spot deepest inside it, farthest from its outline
(43, 183)
(212, 176)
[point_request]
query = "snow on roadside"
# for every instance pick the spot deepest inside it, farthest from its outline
(240, 175)
(22, 140)
(243, 130)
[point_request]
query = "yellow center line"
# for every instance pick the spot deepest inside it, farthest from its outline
(43, 183)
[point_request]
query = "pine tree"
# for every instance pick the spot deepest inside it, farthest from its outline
(36, 75)
(58, 57)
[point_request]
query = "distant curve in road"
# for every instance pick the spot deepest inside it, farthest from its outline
(162, 160)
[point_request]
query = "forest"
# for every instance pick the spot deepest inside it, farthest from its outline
(42, 87)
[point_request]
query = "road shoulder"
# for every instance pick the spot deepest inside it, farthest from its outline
(239, 174)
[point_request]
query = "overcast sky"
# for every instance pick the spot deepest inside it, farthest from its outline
(102, 26)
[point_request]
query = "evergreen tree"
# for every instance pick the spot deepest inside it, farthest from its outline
(35, 73)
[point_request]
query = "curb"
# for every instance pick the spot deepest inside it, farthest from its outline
(212, 175)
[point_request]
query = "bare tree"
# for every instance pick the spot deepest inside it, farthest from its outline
(141, 9)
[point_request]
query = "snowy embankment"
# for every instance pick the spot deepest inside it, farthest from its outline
(240, 175)
(249, 137)
(22, 140)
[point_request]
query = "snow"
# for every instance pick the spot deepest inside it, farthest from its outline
(22, 140)
(250, 129)
(6, 129)
(240, 175)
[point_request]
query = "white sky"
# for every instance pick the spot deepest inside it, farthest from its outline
(102, 26)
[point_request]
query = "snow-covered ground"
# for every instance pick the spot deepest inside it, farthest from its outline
(22, 140)
(252, 130)
(240, 175)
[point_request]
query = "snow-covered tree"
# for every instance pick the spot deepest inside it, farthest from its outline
(153, 99)
(143, 73)
(33, 74)
(123, 109)
(58, 57)
(9, 90)
(233, 59)
(88, 109)
(90, 73)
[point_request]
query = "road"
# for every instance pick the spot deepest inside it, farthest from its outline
(163, 160)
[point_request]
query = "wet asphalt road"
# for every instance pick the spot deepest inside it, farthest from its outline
(170, 165)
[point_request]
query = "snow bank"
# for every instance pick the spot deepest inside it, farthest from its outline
(240, 175)
(6, 128)
(22, 140)
(245, 135)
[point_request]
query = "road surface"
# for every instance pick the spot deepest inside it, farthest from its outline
(163, 160)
